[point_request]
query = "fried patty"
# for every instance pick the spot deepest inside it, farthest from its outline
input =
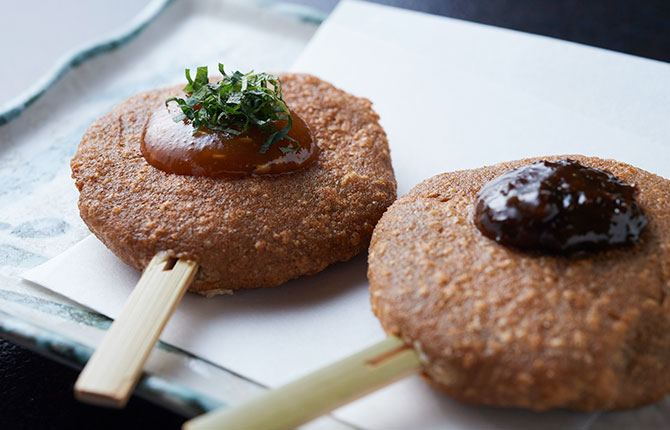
(244, 232)
(502, 327)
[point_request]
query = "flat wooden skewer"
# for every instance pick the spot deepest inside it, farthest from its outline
(112, 372)
(317, 393)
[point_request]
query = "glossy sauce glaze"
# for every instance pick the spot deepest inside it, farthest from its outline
(171, 146)
(559, 207)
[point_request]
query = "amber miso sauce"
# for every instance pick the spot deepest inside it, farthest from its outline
(171, 146)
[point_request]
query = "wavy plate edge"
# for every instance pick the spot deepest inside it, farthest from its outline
(67, 351)
(19, 104)
(55, 345)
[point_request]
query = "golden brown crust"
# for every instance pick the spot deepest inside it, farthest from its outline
(250, 232)
(500, 327)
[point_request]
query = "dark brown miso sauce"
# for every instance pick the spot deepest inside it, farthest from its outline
(171, 146)
(559, 207)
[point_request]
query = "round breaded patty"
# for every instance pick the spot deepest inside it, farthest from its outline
(498, 326)
(244, 232)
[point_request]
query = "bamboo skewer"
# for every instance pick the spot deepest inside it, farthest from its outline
(112, 372)
(317, 393)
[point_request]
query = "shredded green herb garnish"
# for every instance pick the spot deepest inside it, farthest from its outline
(235, 103)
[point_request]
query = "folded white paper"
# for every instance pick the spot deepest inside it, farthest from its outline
(451, 95)
(456, 95)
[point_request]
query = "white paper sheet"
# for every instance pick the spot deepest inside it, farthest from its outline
(451, 95)
(456, 95)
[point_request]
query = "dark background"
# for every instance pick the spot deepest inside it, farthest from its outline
(36, 393)
(638, 27)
